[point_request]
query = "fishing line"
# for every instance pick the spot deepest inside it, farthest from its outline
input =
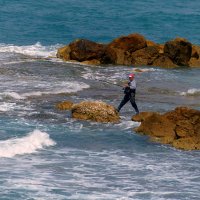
(108, 82)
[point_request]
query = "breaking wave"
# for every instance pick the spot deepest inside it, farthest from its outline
(26, 145)
(36, 50)
(191, 92)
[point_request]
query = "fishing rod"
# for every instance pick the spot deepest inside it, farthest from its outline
(108, 82)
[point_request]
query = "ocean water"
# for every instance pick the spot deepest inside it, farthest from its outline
(44, 153)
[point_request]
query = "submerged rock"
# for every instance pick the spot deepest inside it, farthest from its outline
(179, 128)
(65, 105)
(96, 111)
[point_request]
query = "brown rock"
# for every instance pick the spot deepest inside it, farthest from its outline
(195, 59)
(64, 53)
(190, 143)
(157, 125)
(133, 49)
(164, 61)
(95, 111)
(91, 62)
(194, 62)
(150, 43)
(65, 105)
(161, 48)
(129, 43)
(119, 50)
(179, 51)
(145, 56)
(83, 50)
(183, 113)
(141, 116)
(179, 127)
(195, 52)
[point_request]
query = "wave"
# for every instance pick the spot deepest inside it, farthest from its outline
(35, 51)
(190, 92)
(26, 145)
(62, 87)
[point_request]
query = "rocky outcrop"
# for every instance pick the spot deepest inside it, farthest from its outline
(179, 128)
(135, 50)
(95, 111)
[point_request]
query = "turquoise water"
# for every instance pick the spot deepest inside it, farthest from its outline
(61, 21)
(44, 153)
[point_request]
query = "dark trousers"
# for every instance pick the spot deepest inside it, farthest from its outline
(129, 96)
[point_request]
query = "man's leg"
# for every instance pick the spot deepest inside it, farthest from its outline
(123, 102)
(132, 100)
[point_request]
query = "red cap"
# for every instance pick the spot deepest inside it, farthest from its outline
(131, 75)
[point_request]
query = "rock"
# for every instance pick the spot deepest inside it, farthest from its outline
(164, 61)
(194, 62)
(145, 56)
(189, 143)
(195, 52)
(159, 126)
(65, 105)
(179, 128)
(83, 50)
(142, 116)
(95, 111)
(129, 43)
(64, 53)
(133, 49)
(91, 62)
(179, 51)
(195, 59)
(118, 51)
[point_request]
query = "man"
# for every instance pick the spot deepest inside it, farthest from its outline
(129, 91)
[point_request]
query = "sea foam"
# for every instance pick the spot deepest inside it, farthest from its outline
(36, 50)
(61, 87)
(190, 92)
(26, 145)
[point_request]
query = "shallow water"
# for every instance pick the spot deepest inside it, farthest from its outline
(44, 153)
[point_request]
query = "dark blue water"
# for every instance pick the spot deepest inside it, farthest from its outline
(44, 153)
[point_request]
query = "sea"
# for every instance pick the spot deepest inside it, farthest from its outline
(45, 154)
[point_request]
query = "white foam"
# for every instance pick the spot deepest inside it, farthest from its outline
(4, 107)
(65, 87)
(36, 50)
(190, 92)
(26, 145)
(53, 88)
(128, 124)
(138, 70)
(13, 95)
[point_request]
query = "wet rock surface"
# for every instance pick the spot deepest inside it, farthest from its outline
(179, 128)
(133, 49)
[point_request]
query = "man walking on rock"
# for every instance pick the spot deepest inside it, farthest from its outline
(129, 91)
